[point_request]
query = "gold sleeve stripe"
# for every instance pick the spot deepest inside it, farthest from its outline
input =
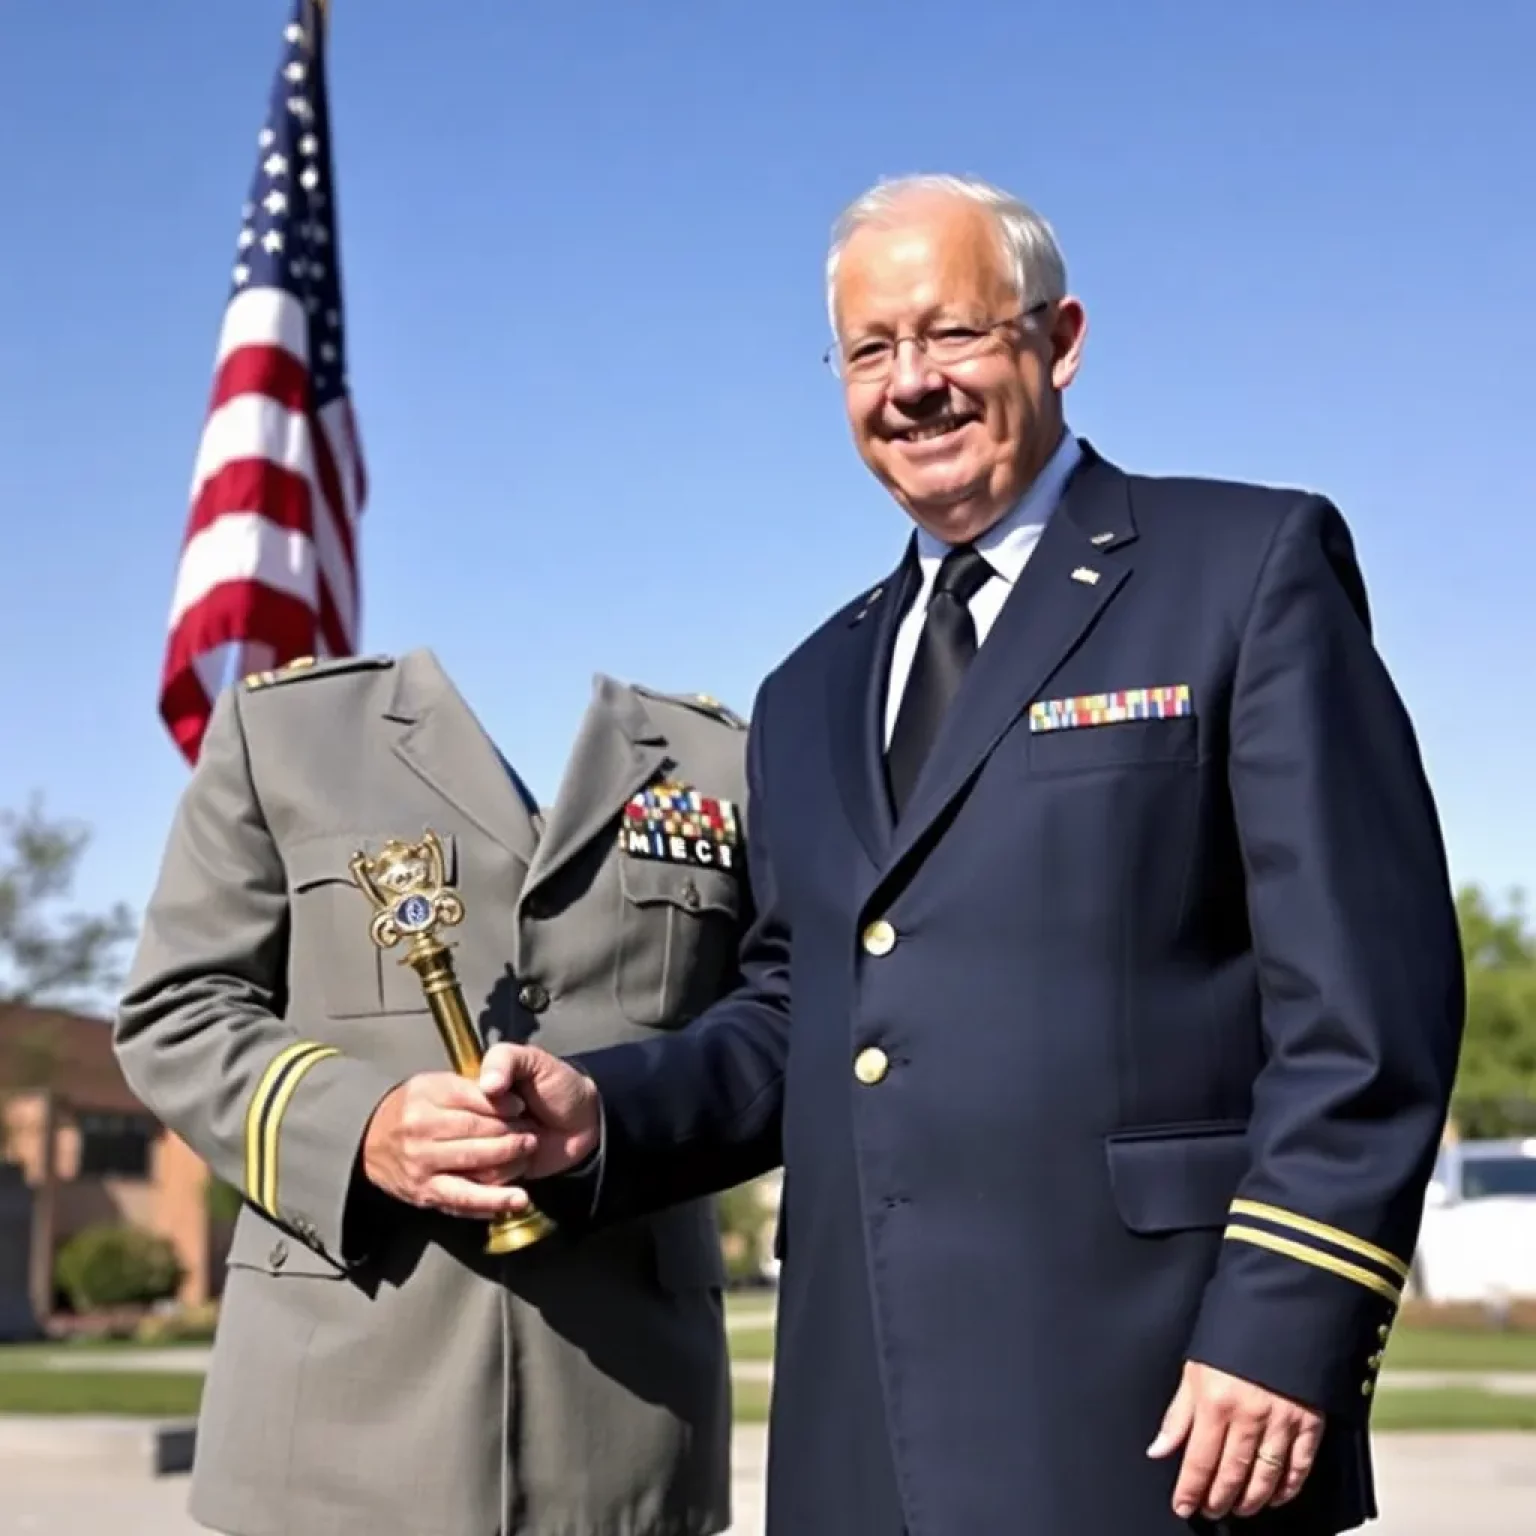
(1319, 1260)
(264, 1116)
(1318, 1229)
(257, 1108)
(274, 1121)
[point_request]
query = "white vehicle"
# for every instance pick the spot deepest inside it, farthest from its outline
(1478, 1242)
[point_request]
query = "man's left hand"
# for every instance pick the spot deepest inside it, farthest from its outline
(1247, 1448)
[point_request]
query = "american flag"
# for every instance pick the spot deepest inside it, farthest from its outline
(269, 568)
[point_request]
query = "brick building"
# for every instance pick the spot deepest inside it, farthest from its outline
(112, 1161)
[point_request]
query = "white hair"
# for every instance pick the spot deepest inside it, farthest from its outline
(1029, 243)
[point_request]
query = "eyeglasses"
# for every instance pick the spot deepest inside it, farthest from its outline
(875, 356)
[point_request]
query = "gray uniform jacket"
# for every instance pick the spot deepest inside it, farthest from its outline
(374, 1372)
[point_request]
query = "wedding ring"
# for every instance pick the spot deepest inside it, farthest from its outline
(1270, 1459)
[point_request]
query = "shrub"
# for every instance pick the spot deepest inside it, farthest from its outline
(223, 1201)
(113, 1266)
(741, 1217)
(179, 1325)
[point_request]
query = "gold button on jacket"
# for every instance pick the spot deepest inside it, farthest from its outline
(871, 1064)
(879, 938)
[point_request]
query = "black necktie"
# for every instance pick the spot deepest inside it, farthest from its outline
(944, 650)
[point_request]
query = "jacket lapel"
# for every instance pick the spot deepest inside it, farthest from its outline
(1068, 582)
(618, 750)
(856, 690)
(441, 741)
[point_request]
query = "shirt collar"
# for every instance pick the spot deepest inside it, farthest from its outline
(1008, 542)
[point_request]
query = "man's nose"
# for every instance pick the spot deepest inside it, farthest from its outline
(912, 375)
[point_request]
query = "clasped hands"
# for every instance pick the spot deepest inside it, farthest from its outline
(455, 1144)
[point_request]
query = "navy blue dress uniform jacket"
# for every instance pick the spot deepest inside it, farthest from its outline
(1132, 1041)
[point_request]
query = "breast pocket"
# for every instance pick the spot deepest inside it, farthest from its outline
(1123, 744)
(333, 952)
(678, 932)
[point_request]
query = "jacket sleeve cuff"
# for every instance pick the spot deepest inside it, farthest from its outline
(571, 1199)
(1301, 1307)
(304, 1129)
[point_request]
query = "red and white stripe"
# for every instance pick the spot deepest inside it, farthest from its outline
(269, 560)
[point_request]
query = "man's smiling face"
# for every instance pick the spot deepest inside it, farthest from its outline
(955, 442)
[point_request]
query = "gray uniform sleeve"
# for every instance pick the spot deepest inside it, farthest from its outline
(202, 1032)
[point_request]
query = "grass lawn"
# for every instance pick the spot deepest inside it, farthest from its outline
(1449, 1410)
(751, 1401)
(141, 1394)
(750, 1307)
(26, 1386)
(1453, 1408)
(160, 1394)
(1457, 1349)
(1410, 1349)
(27, 1357)
(751, 1343)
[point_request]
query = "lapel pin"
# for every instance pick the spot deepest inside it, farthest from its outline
(869, 602)
(1083, 574)
(1102, 538)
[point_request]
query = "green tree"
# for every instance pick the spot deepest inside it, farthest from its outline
(48, 955)
(1496, 1085)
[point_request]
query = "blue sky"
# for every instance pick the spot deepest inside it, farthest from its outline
(583, 247)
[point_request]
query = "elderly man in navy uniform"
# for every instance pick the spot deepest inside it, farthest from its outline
(1105, 995)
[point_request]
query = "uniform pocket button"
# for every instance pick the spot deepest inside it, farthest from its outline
(533, 997)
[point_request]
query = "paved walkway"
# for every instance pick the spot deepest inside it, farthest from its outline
(43, 1497)
(187, 1359)
(1519, 1383)
(1447, 1485)
(1431, 1485)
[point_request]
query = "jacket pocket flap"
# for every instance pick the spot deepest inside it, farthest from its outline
(656, 882)
(1176, 1179)
(262, 1245)
(327, 857)
(1120, 744)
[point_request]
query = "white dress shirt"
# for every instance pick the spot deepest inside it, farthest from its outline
(1006, 545)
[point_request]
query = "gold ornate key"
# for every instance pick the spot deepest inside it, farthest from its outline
(408, 886)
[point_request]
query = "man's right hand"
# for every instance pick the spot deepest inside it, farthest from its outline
(544, 1095)
(437, 1141)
